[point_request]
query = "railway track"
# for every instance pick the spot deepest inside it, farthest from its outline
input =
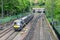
(7, 35)
(10, 34)
(6, 28)
(5, 32)
(31, 32)
(40, 30)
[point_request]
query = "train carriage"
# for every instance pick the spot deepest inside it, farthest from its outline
(19, 23)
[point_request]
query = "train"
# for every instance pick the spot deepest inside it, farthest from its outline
(19, 24)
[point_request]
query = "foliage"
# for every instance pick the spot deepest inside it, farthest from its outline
(53, 8)
(10, 18)
(13, 7)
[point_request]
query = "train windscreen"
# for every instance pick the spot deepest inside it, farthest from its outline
(16, 23)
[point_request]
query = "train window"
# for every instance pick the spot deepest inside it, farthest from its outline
(16, 23)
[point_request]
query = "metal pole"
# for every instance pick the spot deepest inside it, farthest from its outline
(2, 8)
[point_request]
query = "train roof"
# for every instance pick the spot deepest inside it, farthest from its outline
(24, 17)
(18, 20)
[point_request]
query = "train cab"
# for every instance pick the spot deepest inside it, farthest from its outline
(18, 24)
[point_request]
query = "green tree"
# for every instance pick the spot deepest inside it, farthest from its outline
(13, 7)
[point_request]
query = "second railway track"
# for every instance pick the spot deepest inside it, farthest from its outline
(2, 31)
(5, 32)
(8, 33)
(12, 36)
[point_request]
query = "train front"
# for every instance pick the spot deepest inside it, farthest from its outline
(17, 25)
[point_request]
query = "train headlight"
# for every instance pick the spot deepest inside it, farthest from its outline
(16, 26)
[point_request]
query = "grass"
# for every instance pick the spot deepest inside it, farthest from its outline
(10, 18)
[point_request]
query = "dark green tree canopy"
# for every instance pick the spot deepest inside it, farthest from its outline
(14, 6)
